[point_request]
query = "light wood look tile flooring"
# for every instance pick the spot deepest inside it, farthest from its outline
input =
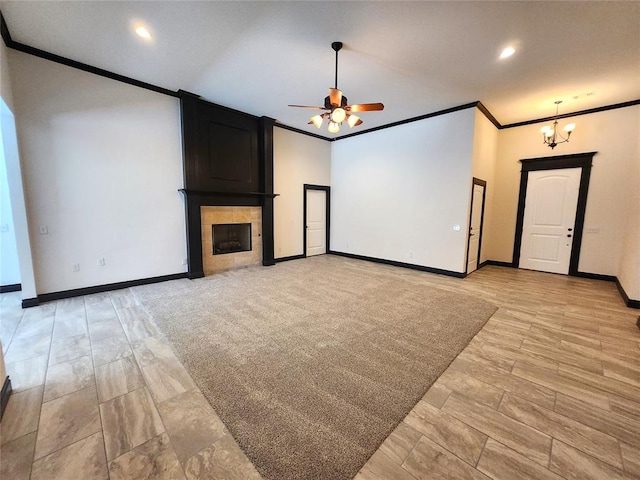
(548, 389)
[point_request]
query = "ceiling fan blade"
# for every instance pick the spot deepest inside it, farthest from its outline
(335, 97)
(308, 106)
(365, 107)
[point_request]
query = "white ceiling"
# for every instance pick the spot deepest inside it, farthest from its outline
(415, 57)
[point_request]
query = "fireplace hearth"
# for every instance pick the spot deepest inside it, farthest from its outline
(231, 238)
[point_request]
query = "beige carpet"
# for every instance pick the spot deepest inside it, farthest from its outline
(312, 363)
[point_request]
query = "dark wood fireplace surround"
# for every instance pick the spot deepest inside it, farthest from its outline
(228, 161)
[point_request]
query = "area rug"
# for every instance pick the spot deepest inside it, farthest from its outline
(312, 363)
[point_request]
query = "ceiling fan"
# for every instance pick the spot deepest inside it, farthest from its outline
(336, 105)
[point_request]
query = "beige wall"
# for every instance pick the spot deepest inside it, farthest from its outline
(297, 159)
(629, 269)
(6, 92)
(614, 135)
(485, 150)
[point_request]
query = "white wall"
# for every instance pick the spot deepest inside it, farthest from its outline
(102, 168)
(14, 178)
(398, 192)
(297, 159)
(485, 151)
(9, 265)
(614, 135)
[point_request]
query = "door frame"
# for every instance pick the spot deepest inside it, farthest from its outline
(482, 183)
(577, 160)
(327, 210)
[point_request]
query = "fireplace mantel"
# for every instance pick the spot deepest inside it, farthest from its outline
(204, 193)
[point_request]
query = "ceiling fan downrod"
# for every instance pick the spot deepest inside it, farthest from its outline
(336, 46)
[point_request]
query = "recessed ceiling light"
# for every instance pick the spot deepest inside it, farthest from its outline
(507, 52)
(143, 32)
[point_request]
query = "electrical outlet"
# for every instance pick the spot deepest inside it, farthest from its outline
(75, 267)
(43, 229)
(593, 229)
(4, 227)
(456, 228)
(185, 261)
(101, 262)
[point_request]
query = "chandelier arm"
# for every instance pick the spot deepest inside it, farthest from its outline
(552, 140)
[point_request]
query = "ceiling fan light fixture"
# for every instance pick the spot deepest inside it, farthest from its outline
(317, 120)
(336, 105)
(353, 121)
(338, 115)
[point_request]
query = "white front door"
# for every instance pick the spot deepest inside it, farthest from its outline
(477, 205)
(549, 219)
(316, 222)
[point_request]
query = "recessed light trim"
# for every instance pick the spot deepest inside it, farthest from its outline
(507, 52)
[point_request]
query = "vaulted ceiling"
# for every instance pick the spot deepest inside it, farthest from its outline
(415, 57)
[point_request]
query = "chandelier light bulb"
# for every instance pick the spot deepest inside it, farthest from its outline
(550, 135)
(334, 127)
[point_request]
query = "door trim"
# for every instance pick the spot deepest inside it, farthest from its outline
(327, 190)
(482, 183)
(581, 160)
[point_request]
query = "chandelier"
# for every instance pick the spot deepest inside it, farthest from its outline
(550, 134)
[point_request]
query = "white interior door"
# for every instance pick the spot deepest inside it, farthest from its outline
(477, 205)
(316, 222)
(549, 219)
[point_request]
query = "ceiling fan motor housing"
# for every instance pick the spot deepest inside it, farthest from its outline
(327, 102)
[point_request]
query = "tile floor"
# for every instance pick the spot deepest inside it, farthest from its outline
(98, 394)
(549, 388)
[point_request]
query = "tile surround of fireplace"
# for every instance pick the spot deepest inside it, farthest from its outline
(230, 215)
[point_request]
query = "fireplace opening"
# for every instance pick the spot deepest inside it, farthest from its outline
(231, 238)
